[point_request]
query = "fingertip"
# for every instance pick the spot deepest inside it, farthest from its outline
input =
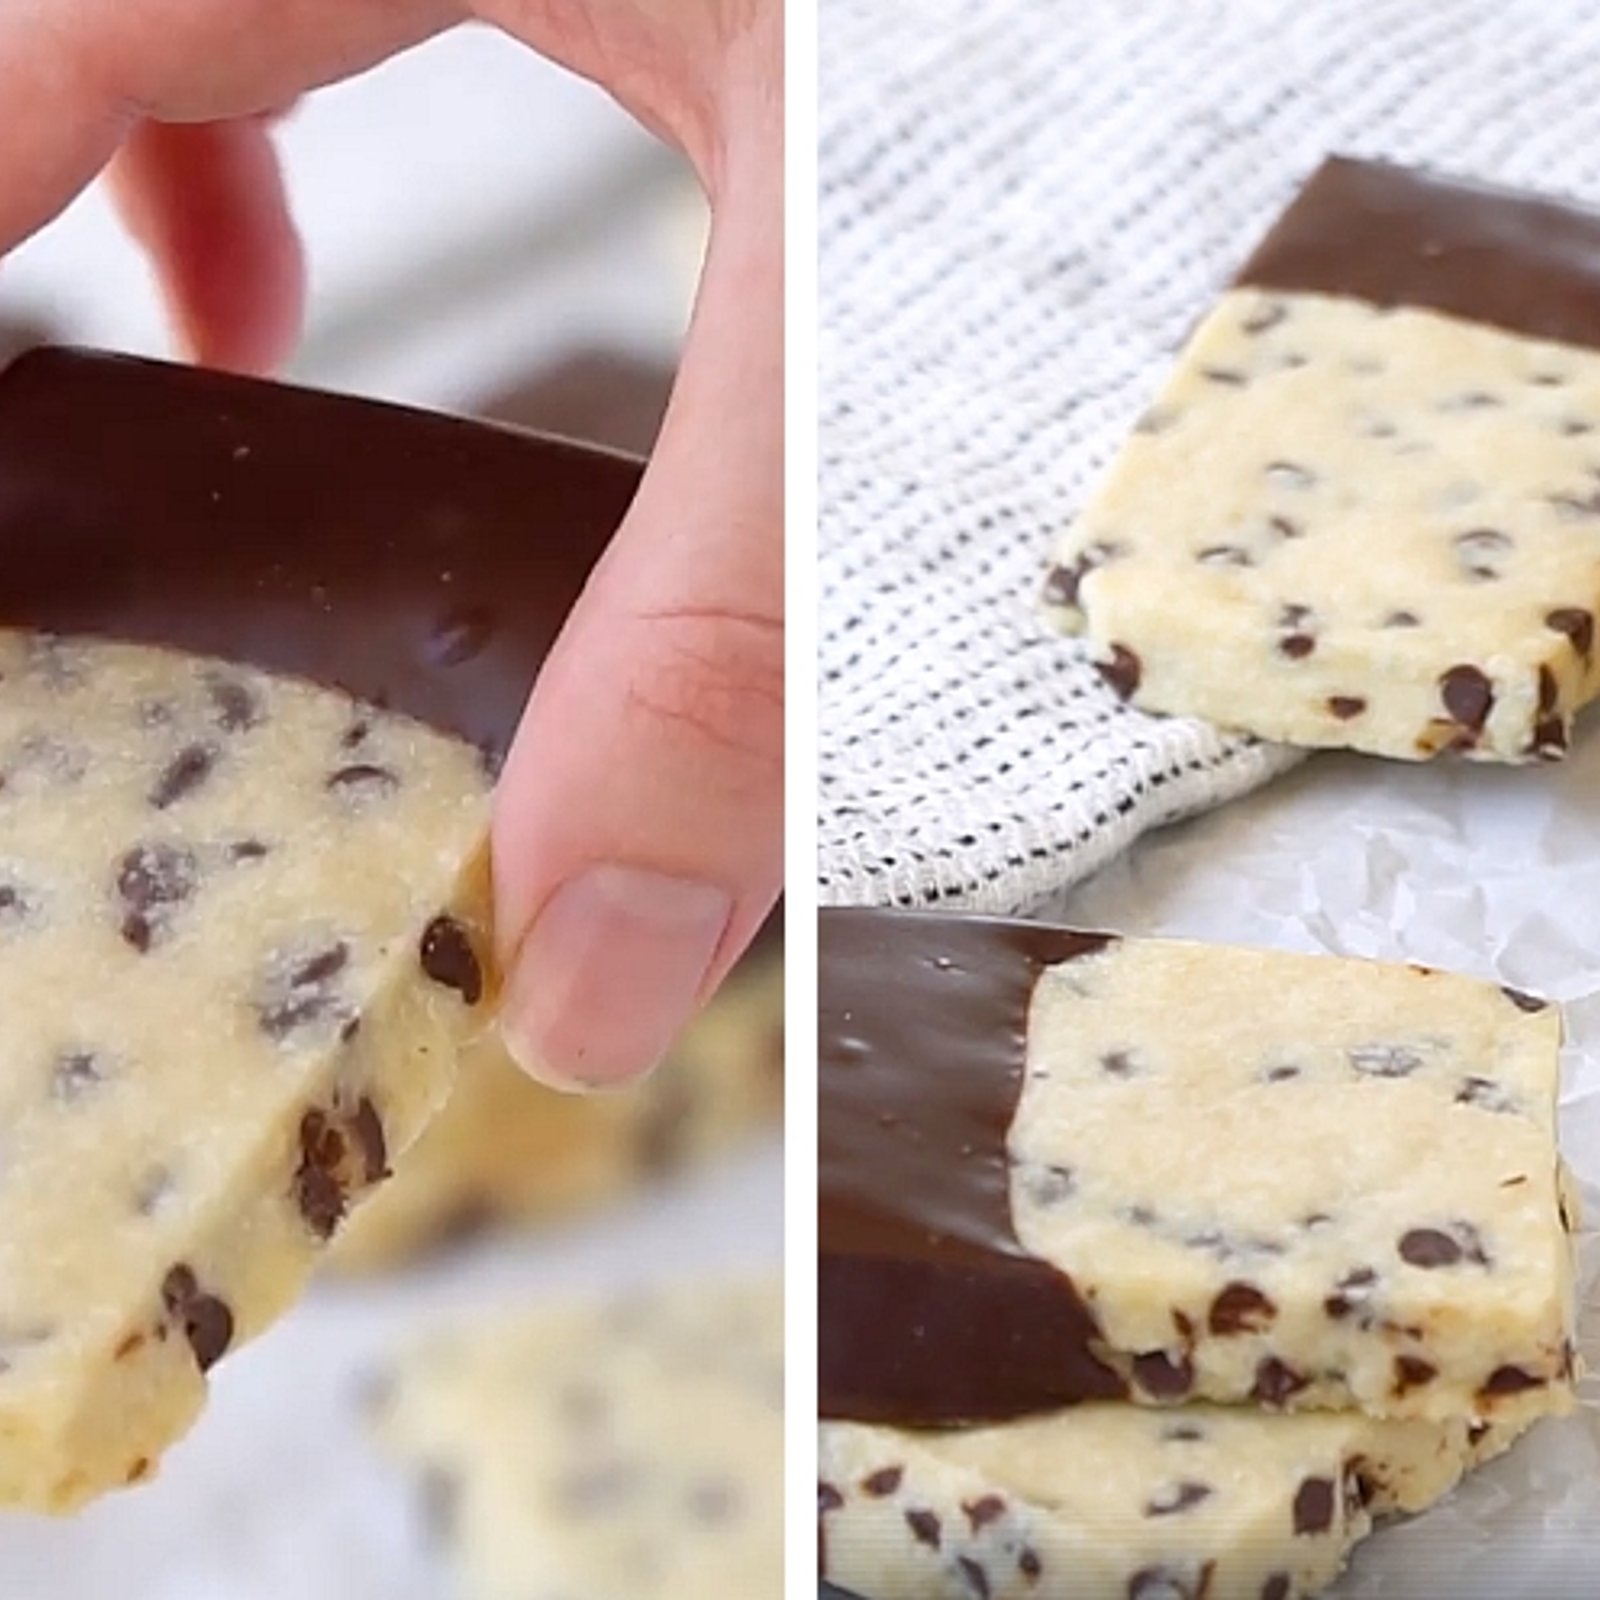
(208, 203)
(615, 963)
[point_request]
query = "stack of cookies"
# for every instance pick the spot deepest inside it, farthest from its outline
(1155, 1269)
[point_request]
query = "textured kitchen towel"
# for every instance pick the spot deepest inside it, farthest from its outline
(1024, 207)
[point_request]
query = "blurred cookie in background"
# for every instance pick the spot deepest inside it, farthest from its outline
(624, 1447)
(506, 1151)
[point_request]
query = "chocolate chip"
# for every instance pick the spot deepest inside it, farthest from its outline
(1029, 1564)
(1467, 695)
(984, 1510)
(76, 1072)
(1062, 586)
(328, 1175)
(1230, 376)
(236, 704)
(977, 1578)
(1156, 420)
(1240, 1308)
(1285, 527)
(1524, 1001)
(1225, 555)
(366, 1128)
(1486, 1094)
(1276, 1587)
(1049, 1186)
(362, 779)
(355, 735)
(1350, 1292)
(1265, 317)
(1117, 1064)
(1166, 1583)
(1162, 1377)
(17, 904)
(1510, 1380)
(1062, 582)
(1297, 646)
(1479, 552)
(1549, 742)
(1183, 1433)
(1429, 1248)
(1281, 1074)
(1276, 1382)
(295, 996)
(448, 958)
(828, 1498)
(1476, 1432)
(1573, 506)
(1549, 690)
(924, 1527)
(1290, 475)
(154, 1189)
(1177, 1498)
(207, 1321)
(1401, 619)
(1575, 427)
(1411, 1372)
(1314, 1504)
(1346, 706)
(1384, 1060)
(882, 1482)
(248, 850)
(1122, 672)
(184, 774)
(1576, 624)
(151, 880)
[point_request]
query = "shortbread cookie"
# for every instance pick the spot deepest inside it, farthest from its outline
(244, 922)
(243, 893)
(1060, 1166)
(629, 1449)
(1207, 1503)
(1365, 510)
(506, 1151)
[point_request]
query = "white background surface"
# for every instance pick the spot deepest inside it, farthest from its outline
(518, 217)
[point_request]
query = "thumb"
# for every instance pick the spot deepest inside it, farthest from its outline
(639, 826)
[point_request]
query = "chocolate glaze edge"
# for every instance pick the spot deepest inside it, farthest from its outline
(931, 1311)
(1398, 236)
(419, 561)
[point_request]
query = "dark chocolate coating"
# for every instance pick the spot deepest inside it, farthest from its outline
(419, 561)
(1393, 236)
(931, 1312)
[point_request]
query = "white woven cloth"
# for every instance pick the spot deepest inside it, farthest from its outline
(1024, 206)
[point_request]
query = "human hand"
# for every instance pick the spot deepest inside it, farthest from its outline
(638, 825)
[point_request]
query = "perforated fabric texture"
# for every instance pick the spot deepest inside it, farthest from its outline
(1024, 207)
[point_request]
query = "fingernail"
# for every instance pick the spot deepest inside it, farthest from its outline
(608, 974)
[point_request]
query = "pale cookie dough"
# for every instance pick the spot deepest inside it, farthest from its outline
(507, 1151)
(1353, 526)
(1301, 1181)
(630, 1451)
(240, 918)
(1106, 1501)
